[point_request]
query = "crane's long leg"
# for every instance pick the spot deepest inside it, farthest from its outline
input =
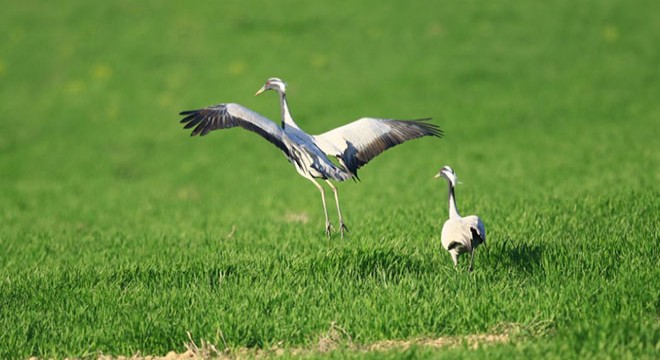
(328, 225)
(342, 226)
(454, 257)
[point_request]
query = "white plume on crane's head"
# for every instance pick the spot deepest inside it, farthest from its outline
(449, 174)
(273, 84)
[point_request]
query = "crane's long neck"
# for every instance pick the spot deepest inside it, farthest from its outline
(453, 211)
(287, 119)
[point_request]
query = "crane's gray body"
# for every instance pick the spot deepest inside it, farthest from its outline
(460, 234)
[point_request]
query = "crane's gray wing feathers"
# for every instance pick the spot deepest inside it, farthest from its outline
(224, 116)
(356, 143)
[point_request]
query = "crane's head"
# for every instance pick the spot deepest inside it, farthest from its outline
(449, 174)
(273, 84)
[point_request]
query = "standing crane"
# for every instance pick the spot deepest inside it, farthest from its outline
(353, 144)
(460, 234)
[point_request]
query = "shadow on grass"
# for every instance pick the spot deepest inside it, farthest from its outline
(523, 257)
(383, 263)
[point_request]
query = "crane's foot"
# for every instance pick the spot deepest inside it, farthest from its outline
(328, 229)
(342, 228)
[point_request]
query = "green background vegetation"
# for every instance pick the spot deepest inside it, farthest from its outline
(119, 233)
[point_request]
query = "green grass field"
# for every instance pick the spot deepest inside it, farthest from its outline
(120, 234)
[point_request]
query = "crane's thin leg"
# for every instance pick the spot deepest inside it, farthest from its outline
(342, 226)
(471, 259)
(328, 226)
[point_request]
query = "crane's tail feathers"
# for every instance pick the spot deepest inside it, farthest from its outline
(453, 245)
(476, 237)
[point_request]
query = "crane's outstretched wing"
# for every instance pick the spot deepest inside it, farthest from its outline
(223, 116)
(356, 143)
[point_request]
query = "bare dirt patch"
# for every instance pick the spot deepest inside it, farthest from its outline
(293, 217)
(336, 338)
